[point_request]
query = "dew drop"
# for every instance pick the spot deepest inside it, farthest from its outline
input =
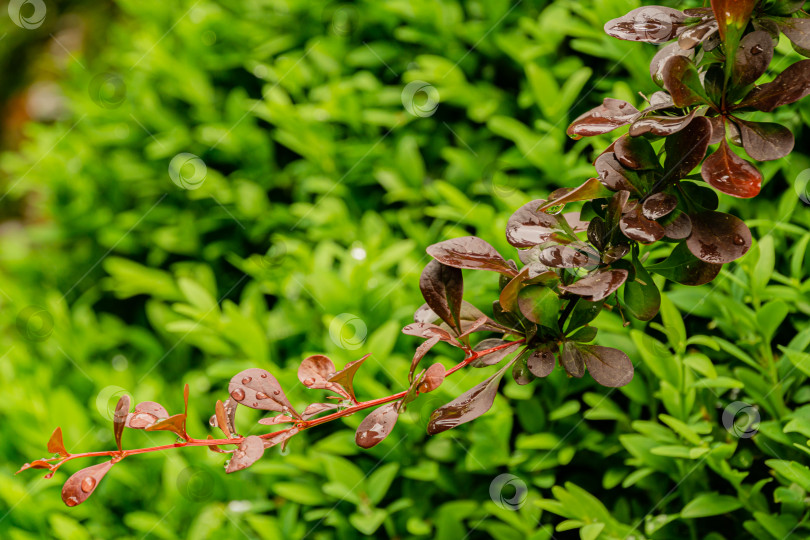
(739, 240)
(264, 375)
(238, 394)
(309, 382)
(756, 49)
(261, 395)
(88, 484)
(276, 392)
(247, 380)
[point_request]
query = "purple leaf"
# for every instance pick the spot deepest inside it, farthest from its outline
(665, 53)
(697, 34)
(470, 252)
(572, 360)
(591, 189)
(250, 450)
(651, 24)
(684, 268)
(635, 153)
(468, 406)
(611, 114)
(679, 227)
(789, 86)
(494, 357)
(597, 285)
(434, 377)
(377, 426)
(681, 79)
(420, 353)
(637, 227)
(753, 57)
(613, 175)
(145, 414)
(718, 237)
(686, 148)
(765, 141)
(727, 172)
(541, 362)
(528, 227)
(442, 287)
(609, 367)
(315, 409)
(661, 126)
(658, 205)
(575, 255)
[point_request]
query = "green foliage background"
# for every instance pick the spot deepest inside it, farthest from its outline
(322, 192)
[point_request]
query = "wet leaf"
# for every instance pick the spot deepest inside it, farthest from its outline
(508, 296)
(679, 227)
(541, 362)
(665, 53)
(641, 296)
(377, 426)
(493, 357)
(637, 227)
(475, 326)
(420, 353)
(609, 367)
(315, 409)
(468, 406)
(753, 57)
(591, 189)
(145, 414)
(789, 86)
(258, 389)
(611, 114)
(660, 126)
(658, 205)
(280, 438)
(732, 16)
(345, 376)
(528, 227)
(597, 285)
(176, 424)
(470, 252)
(250, 450)
(56, 445)
(635, 153)
(686, 148)
(651, 24)
(283, 418)
(797, 30)
(120, 418)
(520, 371)
(83, 483)
(718, 237)
(315, 370)
(614, 176)
(725, 171)
(434, 377)
(576, 255)
(681, 79)
(765, 141)
(222, 419)
(696, 34)
(442, 287)
(684, 268)
(572, 360)
(540, 305)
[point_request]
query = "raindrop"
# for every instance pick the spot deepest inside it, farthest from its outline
(88, 484)
(756, 49)
(247, 380)
(238, 394)
(276, 392)
(309, 382)
(264, 375)
(261, 395)
(739, 240)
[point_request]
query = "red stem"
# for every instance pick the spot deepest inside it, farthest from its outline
(301, 425)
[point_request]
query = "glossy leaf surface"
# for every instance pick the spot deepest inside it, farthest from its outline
(258, 389)
(470, 252)
(442, 287)
(377, 425)
(56, 445)
(598, 285)
(345, 376)
(120, 418)
(250, 450)
(611, 114)
(725, 171)
(83, 483)
(684, 268)
(718, 237)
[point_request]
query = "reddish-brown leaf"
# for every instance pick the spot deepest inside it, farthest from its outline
(681, 79)
(725, 171)
(591, 189)
(377, 426)
(222, 419)
(250, 450)
(651, 24)
(434, 377)
(753, 57)
(493, 358)
(718, 238)
(608, 366)
(541, 362)
(258, 389)
(597, 285)
(120, 419)
(528, 227)
(686, 148)
(658, 205)
(83, 483)
(442, 287)
(176, 424)
(732, 13)
(315, 370)
(611, 114)
(470, 252)
(345, 376)
(765, 141)
(56, 445)
(145, 414)
(789, 86)
(420, 353)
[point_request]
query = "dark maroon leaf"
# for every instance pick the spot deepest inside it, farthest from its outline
(696, 34)
(635, 153)
(470, 252)
(469, 314)
(377, 426)
(658, 205)
(442, 287)
(727, 172)
(420, 353)
(613, 175)
(789, 86)
(765, 141)
(681, 79)
(434, 377)
(315, 409)
(250, 450)
(637, 227)
(576, 255)
(475, 326)
(718, 129)
(718, 237)
(145, 414)
(597, 285)
(541, 362)
(684, 268)
(679, 227)
(614, 253)
(665, 53)
(732, 16)
(753, 57)
(572, 360)
(56, 445)
(686, 148)
(608, 366)
(661, 126)
(797, 31)
(258, 389)
(652, 24)
(82, 484)
(345, 376)
(591, 189)
(493, 357)
(612, 113)
(528, 227)
(540, 305)
(468, 406)
(428, 330)
(314, 372)
(120, 419)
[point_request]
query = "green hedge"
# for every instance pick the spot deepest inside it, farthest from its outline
(321, 192)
